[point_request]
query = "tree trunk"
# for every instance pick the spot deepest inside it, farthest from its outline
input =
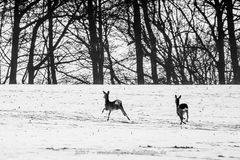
(50, 47)
(218, 38)
(15, 43)
(138, 43)
(220, 44)
(232, 42)
(113, 76)
(100, 44)
(94, 52)
(152, 42)
(31, 56)
(31, 68)
(1, 27)
(169, 63)
(48, 72)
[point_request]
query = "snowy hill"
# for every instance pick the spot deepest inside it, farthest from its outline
(64, 122)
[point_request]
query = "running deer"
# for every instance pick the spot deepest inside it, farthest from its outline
(114, 105)
(181, 109)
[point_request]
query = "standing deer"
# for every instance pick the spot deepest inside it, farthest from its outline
(114, 105)
(181, 109)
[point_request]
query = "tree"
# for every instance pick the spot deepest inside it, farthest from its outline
(18, 14)
(30, 66)
(1, 26)
(36, 37)
(153, 42)
(96, 50)
(15, 41)
(138, 43)
(50, 37)
(232, 42)
(218, 37)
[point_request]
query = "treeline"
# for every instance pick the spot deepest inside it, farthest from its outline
(120, 41)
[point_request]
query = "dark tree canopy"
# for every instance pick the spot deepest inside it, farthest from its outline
(120, 42)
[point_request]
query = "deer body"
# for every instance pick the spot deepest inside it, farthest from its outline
(114, 105)
(181, 109)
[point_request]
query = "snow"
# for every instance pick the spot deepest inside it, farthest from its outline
(64, 122)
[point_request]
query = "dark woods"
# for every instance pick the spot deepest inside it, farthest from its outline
(120, 42)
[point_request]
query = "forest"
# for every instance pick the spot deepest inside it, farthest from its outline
(119, 42)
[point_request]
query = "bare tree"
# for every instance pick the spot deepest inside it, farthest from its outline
(96, 52)
(138, 43)
(232, 41)
(173, 42)
(18, 14)
(153, 42)
(218, 7)
(50, 47)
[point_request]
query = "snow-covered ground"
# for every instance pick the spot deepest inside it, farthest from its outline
(64, 122)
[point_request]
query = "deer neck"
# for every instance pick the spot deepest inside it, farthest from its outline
(177, 104)
(107, 100)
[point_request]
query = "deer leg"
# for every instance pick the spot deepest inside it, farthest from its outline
(187, 116)
(182, 122)
(179, 115)
(181, 119)
(109, 114)
(124, 113)
(103, 110)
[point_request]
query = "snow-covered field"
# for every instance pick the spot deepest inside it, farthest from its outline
(64, 122)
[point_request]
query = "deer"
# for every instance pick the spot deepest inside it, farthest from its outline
(114, 105)
(181, 109)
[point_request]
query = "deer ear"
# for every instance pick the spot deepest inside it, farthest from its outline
(104, 92)
(108, 92)
(180, 96)
(175, 96)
